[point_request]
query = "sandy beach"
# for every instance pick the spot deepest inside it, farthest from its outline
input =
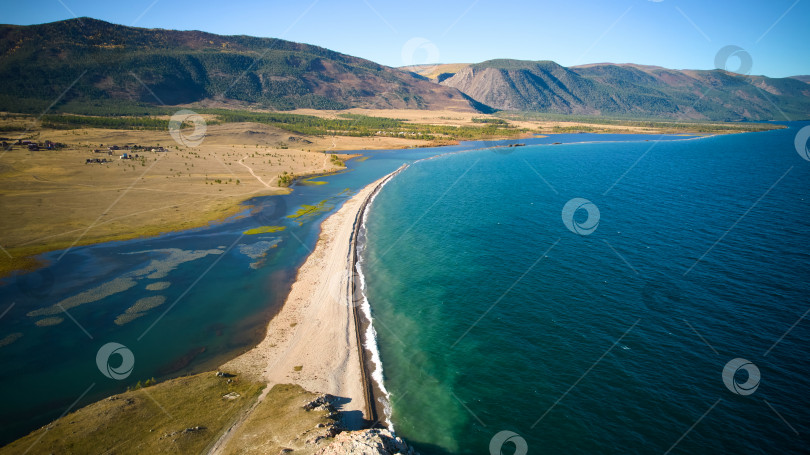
(313, 340)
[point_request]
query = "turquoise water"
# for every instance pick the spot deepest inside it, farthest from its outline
(219, 288)
(492, 315)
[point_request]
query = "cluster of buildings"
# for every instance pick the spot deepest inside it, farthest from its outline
(110, 150)
(32, 145)
(113, 148)
(126, 152)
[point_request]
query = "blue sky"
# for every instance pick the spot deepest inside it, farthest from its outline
(682, 34)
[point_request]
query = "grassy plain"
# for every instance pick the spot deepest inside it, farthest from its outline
(186, 415)
(183, 415)
(53, 200)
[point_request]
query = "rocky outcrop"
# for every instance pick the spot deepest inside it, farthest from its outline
(367, 442)
(323, 431)
(321, 402)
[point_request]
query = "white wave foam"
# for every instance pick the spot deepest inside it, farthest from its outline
(371, 334)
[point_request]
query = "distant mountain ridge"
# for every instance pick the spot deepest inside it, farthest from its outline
(156, 66)
(632, 90)
(86, 61)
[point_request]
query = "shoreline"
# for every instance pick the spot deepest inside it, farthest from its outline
(366, 335)
(27, 254)
(25, 258)
(315, 340)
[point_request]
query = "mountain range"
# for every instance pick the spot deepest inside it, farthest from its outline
(86, 61)
(629, 90)
(156, 66)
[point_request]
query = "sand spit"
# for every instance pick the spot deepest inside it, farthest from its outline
(313, 340)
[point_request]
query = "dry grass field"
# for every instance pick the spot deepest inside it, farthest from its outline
(54, 199)
(458, 118)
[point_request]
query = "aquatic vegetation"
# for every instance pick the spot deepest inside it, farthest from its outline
(97, 293)
(140, 308)
(160, 268)
(158, 286)
(155, 269)
(307, 211)
(146, 304)
(310, 181)
(47, 322)
(264, 230)
(258, 251)
(10, 339)
(127, 318)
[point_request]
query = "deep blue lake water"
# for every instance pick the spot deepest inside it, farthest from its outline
(491, 314)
